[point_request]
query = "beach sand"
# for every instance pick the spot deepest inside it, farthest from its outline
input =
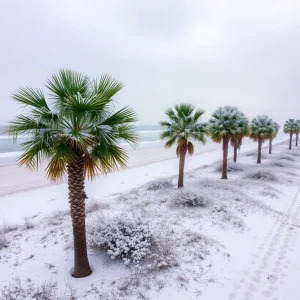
(14, 179)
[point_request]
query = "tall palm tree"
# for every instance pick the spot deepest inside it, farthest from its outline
(297, 131)
(78, 131)
(226, 123)
(236, 140)
(276, 129)
(290, 127)
(262, 128)
(183, 125)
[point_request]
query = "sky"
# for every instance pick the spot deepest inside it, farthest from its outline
(209, 53)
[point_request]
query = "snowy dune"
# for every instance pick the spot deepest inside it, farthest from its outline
(234, 239)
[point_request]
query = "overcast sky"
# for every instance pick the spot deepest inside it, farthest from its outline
(210, 53)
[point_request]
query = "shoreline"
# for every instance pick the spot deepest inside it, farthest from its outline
(30, 195)
(27, 180)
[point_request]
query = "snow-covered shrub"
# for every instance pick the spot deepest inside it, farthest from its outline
(254, 154)
(222, 216)
(190, 199)
(231, 167)
(262, 174)
(17, 290)
(285, 157)
(281, 164)
(159, 184)
(4, 242)
(122, 237)
(57, 217)
(92, 206)
(295, 153)
(6, 228)
(28, 224)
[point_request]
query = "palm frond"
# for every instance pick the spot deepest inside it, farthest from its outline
(30, 97)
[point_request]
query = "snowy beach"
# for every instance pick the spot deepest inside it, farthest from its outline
(238, 239)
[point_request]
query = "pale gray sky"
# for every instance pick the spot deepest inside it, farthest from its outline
(210, 53)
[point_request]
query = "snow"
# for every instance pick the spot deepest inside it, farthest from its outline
(227, 239)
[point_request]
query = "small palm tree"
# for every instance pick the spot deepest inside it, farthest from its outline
(236, 140)
(290, 127)
(276, 129)
(78, 132)
(262, 128)
(183, 125)
(297, 132)
(226, 123)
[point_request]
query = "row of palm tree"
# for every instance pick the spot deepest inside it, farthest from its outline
(78, 131)
(227, 125)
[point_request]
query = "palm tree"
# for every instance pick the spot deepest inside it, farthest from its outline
(183, 125)
(262, 128)
(290, 127)
(226, 123)
(276, 129)
(78, 131)
(297, 131)
(236, 140)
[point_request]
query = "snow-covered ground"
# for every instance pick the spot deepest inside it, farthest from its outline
(215, 239)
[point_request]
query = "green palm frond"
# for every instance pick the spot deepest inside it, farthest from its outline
(80, 122)
(262, 128)
(290, 126)
(184, 123)
(107, 86)
(227, 121)
(30, 97)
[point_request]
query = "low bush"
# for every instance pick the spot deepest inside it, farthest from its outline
(6, 228)
(17, 290)
(159, 184)
(254, 154)
(262, 174)
(286, 157)
(123, 238)
(231, 167)
(4, 242)
(190, 199)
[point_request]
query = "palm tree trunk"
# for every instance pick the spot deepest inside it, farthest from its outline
(182, 155)
(77, 204)
(291, 140)
(259, 151)
(297, 139)
(225, 156)
(270, 146)
(235, 150)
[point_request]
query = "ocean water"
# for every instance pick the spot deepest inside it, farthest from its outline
(148, 136)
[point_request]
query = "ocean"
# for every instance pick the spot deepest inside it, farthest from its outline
(148, 134)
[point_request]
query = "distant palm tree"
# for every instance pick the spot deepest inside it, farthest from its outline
(226, 123)
(290, 127)
(276, 129)
(262, 128)
(297, 132)
(78, 132)
(236, 140)
(183, 125)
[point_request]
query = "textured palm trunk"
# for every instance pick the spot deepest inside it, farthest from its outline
(270, 146)
(291, 140)
(235, 150)
(182, 155)
(259, 151)
(225, 156)
(77, 204)
(297, 139)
